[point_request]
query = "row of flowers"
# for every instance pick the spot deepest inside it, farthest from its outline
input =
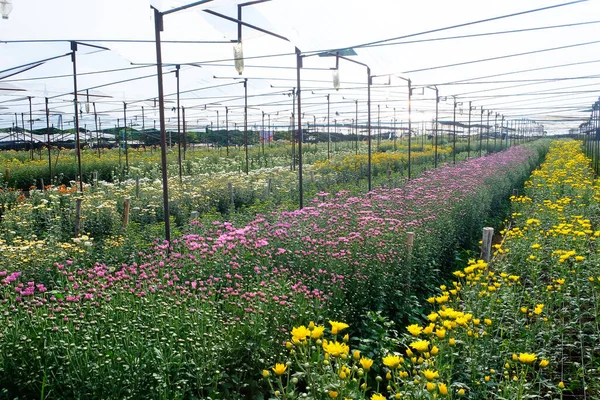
(523, 326)
(199, 319)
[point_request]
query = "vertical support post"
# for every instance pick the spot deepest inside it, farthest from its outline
(227, 130)
(356, 125)
(184, 131)
(454, 133)
(96, 125)
(486, 244)
(74, 61)
(231, 194)
(469, 133)
(177, 67)
(300, 182)
(30, 126)
(125, 137)
(137, 187)
(48, 135)
(410, 242)
(328, 132)
(293, 135)
(126, 205)
(409, 128)
(246, 121)
(158, 27)
(437, 106)
(481, 132)
(369, 79)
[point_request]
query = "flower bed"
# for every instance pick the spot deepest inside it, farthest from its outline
(201, 319)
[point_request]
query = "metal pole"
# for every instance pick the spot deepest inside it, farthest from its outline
(177, 67)
(125, 137)
(74, 61)
(144, 129)
(369, 123)
(262, 136)
(395, 131)
(227, 130)
(409, 128)
(293, 135)
(506, 130)
(300, 183)
(437, 103)
(356, 125)
(184, 131)
(481, 132)
(378, 127)
(328, 132)
(30, 126)
(48, 134)
(454, 132)
(158, 27)
(246, 121)
(469, 133)
(495, 130)
(23, 127)
(487, 140)
(96, 124)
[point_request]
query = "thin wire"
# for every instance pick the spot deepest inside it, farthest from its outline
(78, 74)
(119, 41)
(521, 71)
(501, 57)
(485, 34)
(543, 80)
(469, 23)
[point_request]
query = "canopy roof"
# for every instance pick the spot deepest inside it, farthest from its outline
(554, 87)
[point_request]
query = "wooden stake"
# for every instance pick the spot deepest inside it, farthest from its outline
(410, 242)
(231, 195)
(137, 187)
(486, 244)
(126, 205)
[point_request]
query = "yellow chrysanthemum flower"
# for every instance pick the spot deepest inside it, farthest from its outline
(414, 329)
(335, 349)
(527, 358)
(279, 369)
(337, 327)
(420, 345)
(443, 389)
(300, 333)
(317, 332)
(430, 375)
(391, 360)
(366, 363)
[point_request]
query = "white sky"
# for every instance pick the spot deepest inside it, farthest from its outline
(310, 25)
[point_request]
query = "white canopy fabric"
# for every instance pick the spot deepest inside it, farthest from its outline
(310, 25)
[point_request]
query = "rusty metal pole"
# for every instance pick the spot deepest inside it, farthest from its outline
(298, 91)
(158, 27)
(48, 134)
(246, 121)
(74, 61)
